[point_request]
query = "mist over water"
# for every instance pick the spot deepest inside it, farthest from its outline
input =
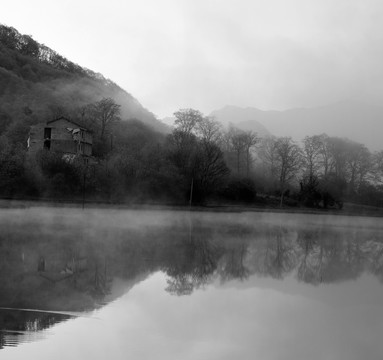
(211, 282)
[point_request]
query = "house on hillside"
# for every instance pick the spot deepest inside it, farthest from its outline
(61, 135)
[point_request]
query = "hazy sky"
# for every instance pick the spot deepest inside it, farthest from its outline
(205, 54)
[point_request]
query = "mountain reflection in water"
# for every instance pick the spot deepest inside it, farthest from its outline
(68, 260)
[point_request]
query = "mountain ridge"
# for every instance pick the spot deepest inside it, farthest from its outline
(356, 120)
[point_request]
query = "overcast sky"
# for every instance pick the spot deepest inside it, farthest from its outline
(205, 54)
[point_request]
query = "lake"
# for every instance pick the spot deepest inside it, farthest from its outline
(136, 284)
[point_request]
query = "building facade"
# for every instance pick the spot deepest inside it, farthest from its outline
(61, 135)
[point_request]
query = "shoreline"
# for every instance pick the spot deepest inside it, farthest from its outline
(349, 209)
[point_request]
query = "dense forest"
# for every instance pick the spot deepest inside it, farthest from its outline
(136, 159)
(37, 84)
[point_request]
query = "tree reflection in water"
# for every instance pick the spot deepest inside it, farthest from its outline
(17, 326)
(82, 259)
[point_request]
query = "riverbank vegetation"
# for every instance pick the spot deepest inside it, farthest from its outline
(199, 162)
(137, 160)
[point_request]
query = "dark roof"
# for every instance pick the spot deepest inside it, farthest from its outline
(71, 121)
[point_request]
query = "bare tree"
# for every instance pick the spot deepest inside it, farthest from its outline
(210, 169)
(312, 148)
(358, 162)
(289, 157)
(250, 140)
(338, 152)
(187, 120)
(105, 112)
(377, 167)
(210, 130)
(267, 152)
(325, 153)
(199, 158)
(238, 144)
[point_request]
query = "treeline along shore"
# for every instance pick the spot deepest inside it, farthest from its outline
(137, 159)
(198, 163)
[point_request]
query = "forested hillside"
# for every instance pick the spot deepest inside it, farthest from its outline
(134, 160)
(37, 84)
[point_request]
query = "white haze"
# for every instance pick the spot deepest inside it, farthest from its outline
(93, 221)
(261, 317)
(171, 54)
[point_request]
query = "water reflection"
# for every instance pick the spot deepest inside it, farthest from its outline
(74, 261)
(21, 326)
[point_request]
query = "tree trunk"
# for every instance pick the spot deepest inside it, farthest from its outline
(238, 154)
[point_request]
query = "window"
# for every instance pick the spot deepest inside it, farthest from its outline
(47, 133)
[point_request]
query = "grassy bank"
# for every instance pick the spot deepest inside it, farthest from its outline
(348, 208)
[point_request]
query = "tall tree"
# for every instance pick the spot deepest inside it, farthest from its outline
(194, 151)
(209, 130)
(210, 168)
(105, 112)
(238, 144)
(289, 157)
(312, 147)
(338, 150)
(325, 153)
(377, 166)
(267, 152)
(250, 140)
(359, 163)
(187, 120)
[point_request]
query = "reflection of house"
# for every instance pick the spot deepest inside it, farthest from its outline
(60, 135)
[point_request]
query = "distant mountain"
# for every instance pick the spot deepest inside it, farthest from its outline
(37, 83)
(357, 121)
(243, 118)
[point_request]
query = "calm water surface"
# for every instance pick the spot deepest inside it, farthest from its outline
(173, 285)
